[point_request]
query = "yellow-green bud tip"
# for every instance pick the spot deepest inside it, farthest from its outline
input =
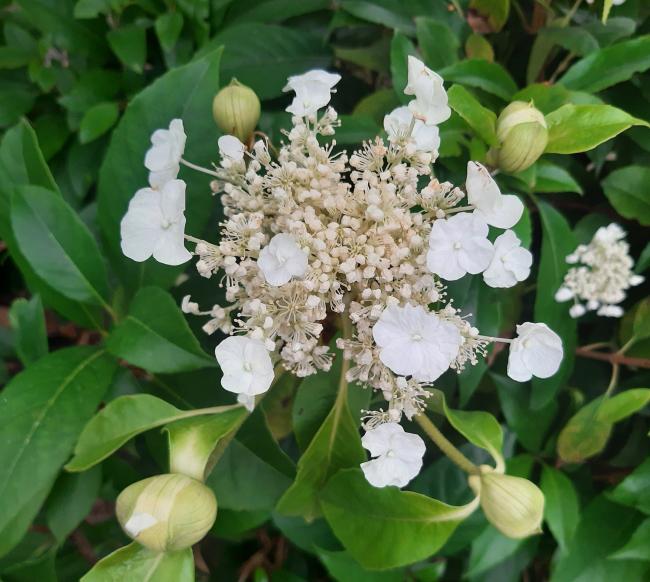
(236, 110)
(167, 512)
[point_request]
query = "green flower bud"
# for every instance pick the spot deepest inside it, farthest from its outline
(513, 505)
(167, 512)
(522, 135)
(236, 110)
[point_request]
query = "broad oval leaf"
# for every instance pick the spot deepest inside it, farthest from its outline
(28, 322)
(480, 119)
(561, 507)
(400, 49)
(481, 74)
(634, 490)
(637, 546)
(155, 336)
(626, 189)
(550, 177)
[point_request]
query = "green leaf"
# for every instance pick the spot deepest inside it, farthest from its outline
(480, 119)
(587, 432)
(135, 562)
(28, 322)
(400, 49)
(438, 44)
(489, 549)
(580, 128)
(376, 13)
(58, 245)
(490, 77)
(129, 43)
(572, 38)
(185, 92)
(550, 177)
(637, 546)
(386, 528)
(561, 509)
(494, 11)
(609, 66)
(377, 104)
(44, 409)
(344, 568)
(97, 121)
(634, 490)
(168, 28)
(557, 243)
(155, 336)
(625, 188)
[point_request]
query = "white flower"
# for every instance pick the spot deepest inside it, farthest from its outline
(246, 366)
(459, 245)
(510, 263)
(415, 342)
(502, 211)
(577, 310)
(430, 103)
(163, 157)
(230, 147)
(313, 91)
(397, 124)
(564, 294)
(398, 455)
(154, 225)
(536, 351)
(138, 522)
(281, 260)
(611, 311)
(189, 306)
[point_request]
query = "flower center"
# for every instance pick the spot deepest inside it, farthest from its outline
(390, 454)
(416, 337)
(458, 245)
(166, 223)
(248, 367)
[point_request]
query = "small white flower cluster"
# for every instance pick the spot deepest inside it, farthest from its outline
(602, 275)
(313, 239)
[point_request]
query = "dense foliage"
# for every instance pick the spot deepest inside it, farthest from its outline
(107, 382)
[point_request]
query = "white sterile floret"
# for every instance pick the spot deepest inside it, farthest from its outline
(313, 91)
(397, 455)
(425, 137)
(500, 210)
(281, 260)
(163, 157)
(510, 264)
(230, 147)
(246, 366)
(459, 245)
(415, 342)
(138, 522)
(430, 103)
(536, 351)
(154, 225)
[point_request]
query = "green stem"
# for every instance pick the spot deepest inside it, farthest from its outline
(445, 446)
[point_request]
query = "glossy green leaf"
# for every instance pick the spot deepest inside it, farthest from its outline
(494, 11)
(572, 38)
(129, 43)
(634, 490)
(626, 188)
(97, 121)
(400, 49)
(344, 568)
(380, 14)
(28, 323)
(561, 508)
(550, 177)
(168, 27)
(637, 546)
(135, 562)
(437, 42)
(44, 409)
(385, 528)
(608, 66)
(580, 128)
(155, 336)
(489, 549)
(58, 246)
(480, 119)
(490, 77)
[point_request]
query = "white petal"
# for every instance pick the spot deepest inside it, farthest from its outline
(563, 294)
(230, 147)
(140, 228)
(170, 248)
(138, 522)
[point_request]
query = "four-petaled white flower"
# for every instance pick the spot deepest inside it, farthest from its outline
(397, 124)
(430, 103)
(536, 351)
(500, 210)
(510, 264)
(398, 455)
(459, 245)
(281, 260)
(246, 366)
(415, 342)
(154, 225)
(163, 157)
(230, 147)
(313, 91)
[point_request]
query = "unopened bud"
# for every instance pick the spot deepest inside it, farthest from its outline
(236, 110)
(522, 135)
(513, 505)
(167, 512)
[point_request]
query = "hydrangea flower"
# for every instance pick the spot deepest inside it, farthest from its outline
(397, 455)
(430, 103)
(154, 225)
(281, 260)
(313, 91)
(500, 210)
(397, 124)
(415, 342)
(246, 366)
(510, 263)
(536, 351)
(459, 245)
(163, 157)
(230, 147)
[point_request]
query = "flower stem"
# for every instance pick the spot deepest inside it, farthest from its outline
(445, 446)
(490, 338)
(459, 209)
(193, 239)
(200, 168)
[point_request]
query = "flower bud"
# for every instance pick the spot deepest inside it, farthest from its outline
(236, 110)
(513, 505)
(166, 512)
(522, 135)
